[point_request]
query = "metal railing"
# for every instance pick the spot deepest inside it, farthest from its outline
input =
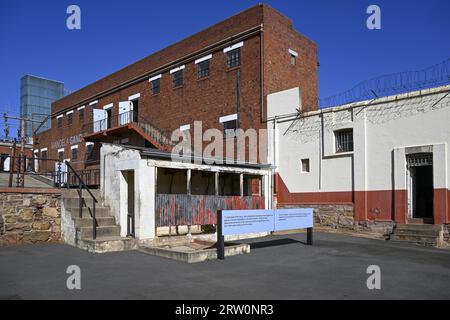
(82, 185)
(23, 171)
(160, 136)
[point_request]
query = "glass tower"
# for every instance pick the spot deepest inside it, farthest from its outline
(36, 97)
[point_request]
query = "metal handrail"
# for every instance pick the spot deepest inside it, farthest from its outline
(152, 130)
(82, 184)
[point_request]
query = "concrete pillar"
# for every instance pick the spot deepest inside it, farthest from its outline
(241, 184)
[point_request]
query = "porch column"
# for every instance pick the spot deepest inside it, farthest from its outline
(216, 183)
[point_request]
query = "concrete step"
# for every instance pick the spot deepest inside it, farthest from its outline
(109, 244)
(87, 212)
(73, 193)
(414, 238)
(434, 233)
(75, 202)
(419, 227)
(106, 231)
(101, 222)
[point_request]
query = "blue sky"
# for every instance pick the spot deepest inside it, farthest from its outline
(34, 38)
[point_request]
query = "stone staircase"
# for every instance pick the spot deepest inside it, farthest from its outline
(422, 234)
(78, 231)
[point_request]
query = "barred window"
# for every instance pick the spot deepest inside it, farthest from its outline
(44, 155)
(90, 152)
(69, 119)
(203, 69)
(344, 140)
(234, 58)
(81, 115)
(177, 78)
(230, 128)
(74, 153)
(156, 86)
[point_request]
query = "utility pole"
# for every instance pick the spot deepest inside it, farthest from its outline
(22, 157)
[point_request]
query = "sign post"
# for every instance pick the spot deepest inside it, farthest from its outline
(220, 237)
(232, 222)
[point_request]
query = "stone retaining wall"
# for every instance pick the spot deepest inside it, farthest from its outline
(341, 217)
(29, 218)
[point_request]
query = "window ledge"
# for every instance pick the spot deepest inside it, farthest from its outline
(203, 79)
(233, 68)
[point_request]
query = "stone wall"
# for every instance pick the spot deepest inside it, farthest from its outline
(29, 218)
(341, 217)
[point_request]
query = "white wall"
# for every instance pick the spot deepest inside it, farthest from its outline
(115, 160)
(379, 127)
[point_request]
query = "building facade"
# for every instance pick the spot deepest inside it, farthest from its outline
(36, 97)
(220, 76)
(386, 159)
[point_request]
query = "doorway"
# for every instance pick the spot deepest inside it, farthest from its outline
(421, 187)
(129, 178)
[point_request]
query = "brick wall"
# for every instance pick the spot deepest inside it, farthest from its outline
(29, 218)
(207, 99)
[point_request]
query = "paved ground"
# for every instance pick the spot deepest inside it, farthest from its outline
(30, 182)
(278, 267)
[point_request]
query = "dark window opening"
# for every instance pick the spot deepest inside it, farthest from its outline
(90, 152)
(155, 86)
(81, 115)
(69, 118)
(59, 122)
(305, 165)
(44, 155)
(230, 128)
(74, 153)
(203, 69)
(293, 60)
(234, 58)
(61, 156)
(177, 78)
(344, 140)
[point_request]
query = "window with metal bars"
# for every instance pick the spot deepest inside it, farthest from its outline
(344, 140)
(177, 78)
(203, 69)
(156, 86)
(90, 152)
(74, 153)
(234, 58)
(81, 115)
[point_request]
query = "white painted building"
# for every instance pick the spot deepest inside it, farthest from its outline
(388, 157)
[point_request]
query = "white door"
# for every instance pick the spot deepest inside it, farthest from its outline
(6, 164)
(125, 114)
(99, 116)
(36, 162)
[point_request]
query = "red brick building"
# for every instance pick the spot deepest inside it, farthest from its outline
(220, 76)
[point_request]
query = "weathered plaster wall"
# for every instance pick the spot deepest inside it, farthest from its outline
(373, 176)
(29, 218)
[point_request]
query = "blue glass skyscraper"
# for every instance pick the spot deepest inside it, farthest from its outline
(36, 97)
